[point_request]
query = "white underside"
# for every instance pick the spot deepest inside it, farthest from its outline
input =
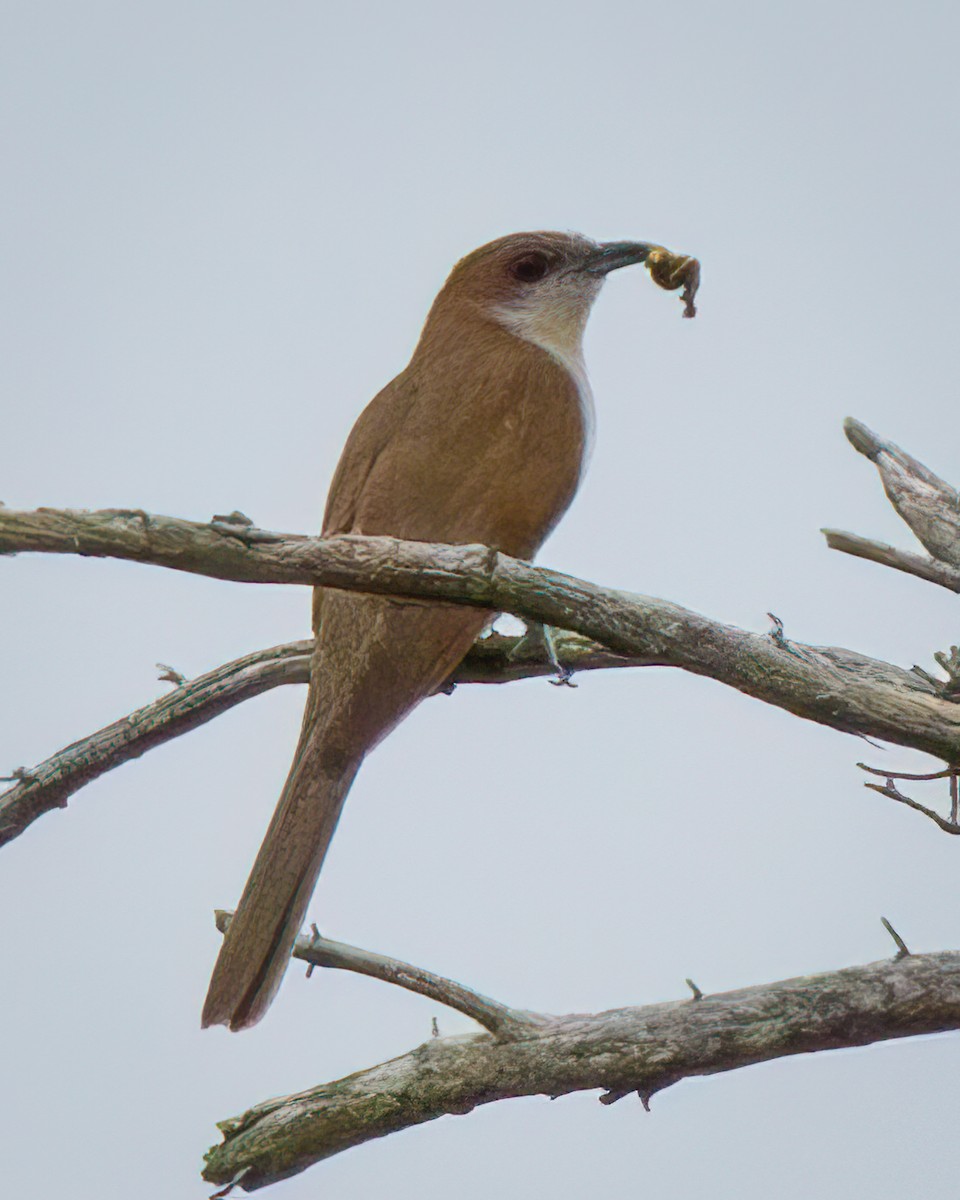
(568, 352)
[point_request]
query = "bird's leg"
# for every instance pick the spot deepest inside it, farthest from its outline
(538, 641)
(564, 674)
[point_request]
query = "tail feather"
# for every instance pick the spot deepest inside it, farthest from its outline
(375, 660)
(257, 945)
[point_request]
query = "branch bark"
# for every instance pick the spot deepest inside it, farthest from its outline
(929, 505)
(921, 565)
(631, 1049)
(506, 1024)
(832, 686)
(627, 1050)
(49, 785)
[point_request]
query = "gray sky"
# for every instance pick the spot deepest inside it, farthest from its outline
(224, 223)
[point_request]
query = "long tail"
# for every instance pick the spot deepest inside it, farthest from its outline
(375, 660)
(256, 948)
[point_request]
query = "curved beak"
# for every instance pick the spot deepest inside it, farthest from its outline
(609, 256)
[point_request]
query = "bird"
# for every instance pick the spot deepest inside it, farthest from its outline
(483, 438)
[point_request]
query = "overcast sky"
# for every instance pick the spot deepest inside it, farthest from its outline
(223, 226)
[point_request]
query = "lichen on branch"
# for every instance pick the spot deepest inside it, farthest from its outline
(638, 1050)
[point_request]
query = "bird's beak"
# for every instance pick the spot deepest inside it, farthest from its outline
(608, 256)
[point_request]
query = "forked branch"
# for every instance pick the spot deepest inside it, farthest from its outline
(931, 508)
(833, 686)
(628, 1050)
(929, 505)
(640, 1050)
(50, 784)
(506, 1024)
(605, 628)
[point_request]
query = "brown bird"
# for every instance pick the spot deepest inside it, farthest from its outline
(483, 438)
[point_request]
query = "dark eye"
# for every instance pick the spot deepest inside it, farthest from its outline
(530, 268)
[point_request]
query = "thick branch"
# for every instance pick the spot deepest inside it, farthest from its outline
(49, 785)
(629, 1049)
(832, 686)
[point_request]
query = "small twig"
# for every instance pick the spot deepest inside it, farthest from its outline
(935, 683)
(225, 1191)
(946, 774)
(948, 688)
(234, 518)
(506, 1024)
(902, 951)
(920, 565)
(311, 967)
(249, 534)
(950, 661)
(776, 635)
(170, 675)
(20, 775)
(892, 792)
(870, 741)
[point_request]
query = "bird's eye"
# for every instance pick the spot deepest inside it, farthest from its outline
(530, 268)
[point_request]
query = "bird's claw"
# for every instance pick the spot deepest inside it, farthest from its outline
(564, 676)
(538, 641)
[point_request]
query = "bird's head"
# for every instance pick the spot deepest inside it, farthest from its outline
(538, 286)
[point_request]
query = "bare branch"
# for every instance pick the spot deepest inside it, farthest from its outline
(52, 782)
(506, 1024)
(835, 687)
(926, 776)
(49, 785)
(626, 1050)
(902, 950)
(890, 790)
(929, 506)
(921, 565)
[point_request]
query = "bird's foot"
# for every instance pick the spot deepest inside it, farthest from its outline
(539, 642)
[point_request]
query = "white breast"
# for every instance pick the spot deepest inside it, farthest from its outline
(588, 413)
(562, 339)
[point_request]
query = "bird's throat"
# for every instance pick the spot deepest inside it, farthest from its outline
(556, 329)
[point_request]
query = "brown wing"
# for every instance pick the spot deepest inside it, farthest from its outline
(376, 426)
(379, 423)
(490, 451)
